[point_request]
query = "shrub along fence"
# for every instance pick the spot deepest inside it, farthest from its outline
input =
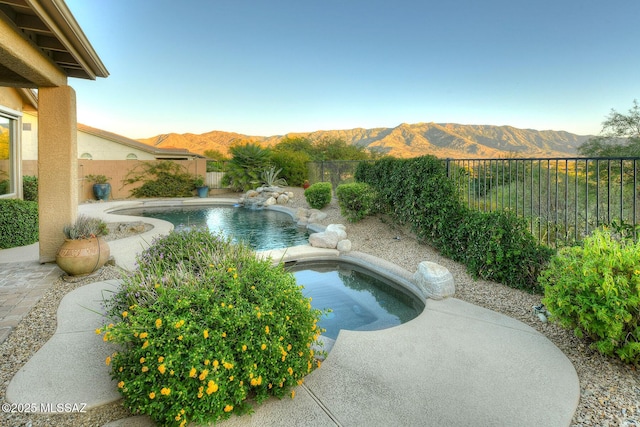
(563, 199)
(493, 245)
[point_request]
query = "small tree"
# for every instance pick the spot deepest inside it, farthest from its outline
(620, 136)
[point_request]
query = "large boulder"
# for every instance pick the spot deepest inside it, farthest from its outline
(434, 280)
(324, 239)
(331, 237)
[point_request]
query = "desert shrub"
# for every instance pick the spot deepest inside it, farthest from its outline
(594, 289)
(498, 246)
(18, 223)
(356, 200)
(293, 165)
(318, 195)
(30, 188)
(245, 167)
(161, 179)
(202, 325)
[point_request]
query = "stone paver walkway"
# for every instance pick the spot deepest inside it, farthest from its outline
(22, 284)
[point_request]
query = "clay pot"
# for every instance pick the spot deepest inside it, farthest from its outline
(83, 256)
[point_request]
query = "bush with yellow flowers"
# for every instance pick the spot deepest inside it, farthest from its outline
(203, 327)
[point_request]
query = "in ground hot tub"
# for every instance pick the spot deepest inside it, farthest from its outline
(355, 297)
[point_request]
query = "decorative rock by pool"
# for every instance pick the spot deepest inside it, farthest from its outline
(333, 237)
(344, 245)
(309, 216)
(434, 280)
(265, 196)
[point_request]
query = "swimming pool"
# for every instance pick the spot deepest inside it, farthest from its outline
(359, 299)
(262, 229)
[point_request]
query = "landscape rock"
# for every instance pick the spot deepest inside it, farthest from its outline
(282, 199)
(339, 229)
(434, 280)
(324, 239)
(315, 216)
(302, 213)
(265, 196)
(344, 245)
(330, 237)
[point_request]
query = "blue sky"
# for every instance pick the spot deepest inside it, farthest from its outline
(272, 67)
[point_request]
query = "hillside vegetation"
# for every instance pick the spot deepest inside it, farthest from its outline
(406, 140)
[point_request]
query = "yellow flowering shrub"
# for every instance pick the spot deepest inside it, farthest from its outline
(208, 327)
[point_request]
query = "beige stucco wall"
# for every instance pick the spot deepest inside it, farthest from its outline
(104, 149)
(10, 98)
(117, 170)
(99, 148)
(57, 167)
(29, 137)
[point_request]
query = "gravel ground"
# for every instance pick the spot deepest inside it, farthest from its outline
(610, 390)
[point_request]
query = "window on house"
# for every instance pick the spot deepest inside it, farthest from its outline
(8, 150)
(87, 156)
(132, 156)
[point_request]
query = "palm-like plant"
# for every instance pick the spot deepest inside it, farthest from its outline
(270, 178)
(247, 163)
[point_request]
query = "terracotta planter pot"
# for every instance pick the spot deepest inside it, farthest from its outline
(84, 256)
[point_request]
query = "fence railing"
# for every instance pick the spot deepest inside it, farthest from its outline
(563, 199)
(334, 171)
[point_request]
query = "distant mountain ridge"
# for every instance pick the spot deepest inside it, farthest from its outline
(407, 140)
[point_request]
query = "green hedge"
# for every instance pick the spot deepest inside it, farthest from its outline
(30, 188)
(494, 246)
(18, 223)
(318, 195)
(356, 200)
(498, 246)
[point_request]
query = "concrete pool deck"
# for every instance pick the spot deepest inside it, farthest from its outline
(455, 364)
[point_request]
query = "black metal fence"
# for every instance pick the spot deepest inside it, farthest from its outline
(334, 171)
(562, 198)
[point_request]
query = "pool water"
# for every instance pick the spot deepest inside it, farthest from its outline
(359, 300)
(262, 229)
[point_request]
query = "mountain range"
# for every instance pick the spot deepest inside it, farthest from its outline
(406, 140)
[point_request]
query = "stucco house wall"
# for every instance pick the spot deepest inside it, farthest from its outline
(90, 146)
(103, 149)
